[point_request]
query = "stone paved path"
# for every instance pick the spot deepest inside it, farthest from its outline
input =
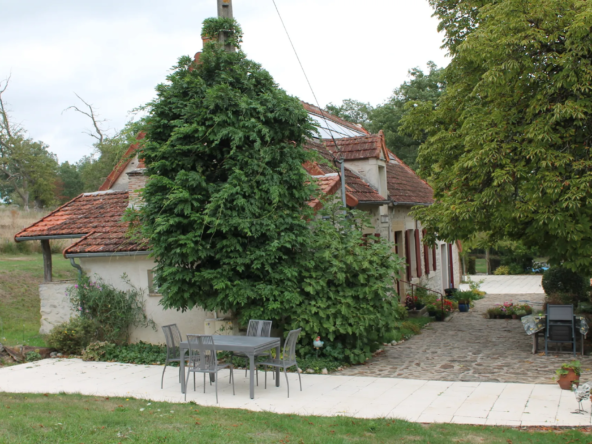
(469, 347)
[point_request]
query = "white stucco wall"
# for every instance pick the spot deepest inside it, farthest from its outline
(55, 305)
(111, 269)
(122, 182)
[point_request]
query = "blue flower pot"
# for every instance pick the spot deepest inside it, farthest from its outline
(463, 308)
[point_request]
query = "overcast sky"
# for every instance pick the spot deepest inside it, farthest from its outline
(113, 53)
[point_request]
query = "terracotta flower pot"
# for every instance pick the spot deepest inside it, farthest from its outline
(565, 381)
(514, 316)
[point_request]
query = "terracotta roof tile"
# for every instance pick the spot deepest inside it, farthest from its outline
(95, 216)
(121, 166)
(405, 186)
(363, 147)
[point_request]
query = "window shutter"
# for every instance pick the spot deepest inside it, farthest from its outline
(408, 253)
(434, 257)
(418, 253)
(426, 256)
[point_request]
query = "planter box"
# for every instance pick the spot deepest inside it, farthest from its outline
(418, 313)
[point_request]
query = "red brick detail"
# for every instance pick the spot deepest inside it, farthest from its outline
(120, 168)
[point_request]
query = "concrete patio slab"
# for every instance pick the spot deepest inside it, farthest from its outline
(521, 284)
(326, 395)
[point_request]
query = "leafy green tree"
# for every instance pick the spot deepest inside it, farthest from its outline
(70, 182)
(27, 168)
(226, 208)
(353, 111)
(508, 150)
(422, 87)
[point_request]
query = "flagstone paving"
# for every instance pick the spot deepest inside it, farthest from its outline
(469, 347)
(417, 400)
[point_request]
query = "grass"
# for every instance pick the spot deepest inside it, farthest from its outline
(408, 328)
(83, 419)
(20, 277)
(481, 266)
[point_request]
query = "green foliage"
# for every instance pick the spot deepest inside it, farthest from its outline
(233, 33)
(562, 281)
(113, 311)
(353, 111)
(576, 366)
(73, 336)
(502, 270)
(422, 87)
(227, 217)
(70, 182)
(139, 353)
(508, 147)
(33, 356)
(347, 286)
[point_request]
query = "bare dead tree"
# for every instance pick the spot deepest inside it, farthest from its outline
(92, 116)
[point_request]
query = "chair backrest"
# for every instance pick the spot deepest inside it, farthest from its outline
(560, 313)
(290, 345)
(259, 328)
(202, 352)
(172, 337)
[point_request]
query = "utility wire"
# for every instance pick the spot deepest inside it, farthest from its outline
(309, 85)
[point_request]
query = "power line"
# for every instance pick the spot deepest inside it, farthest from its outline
(342, 160)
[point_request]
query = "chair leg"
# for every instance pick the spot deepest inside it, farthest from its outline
(299, 379)
(162, 379)
(205, 382)
(193, 381)
(217, 388)
(287, 382)
(232, 377)
(265, 370)
(186, 382)
(179, 372)
(257, 375)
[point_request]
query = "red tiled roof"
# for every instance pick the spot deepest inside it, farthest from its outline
(363, 147)
(95, 216)
(121, 166)
(405, 186)
(316, 110)
(358, 187)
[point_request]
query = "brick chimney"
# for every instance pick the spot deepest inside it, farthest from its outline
(137, 181)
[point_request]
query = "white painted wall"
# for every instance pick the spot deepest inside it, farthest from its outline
(111, 269)
(121, 184)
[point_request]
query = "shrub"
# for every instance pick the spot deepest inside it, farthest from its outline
(113, 311)
(73, 336)
(562, 281)
(33, 356)
(472, 268)
(502, 270)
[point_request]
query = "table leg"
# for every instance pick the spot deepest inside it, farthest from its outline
(182, 365)
(535, 343)
(277, 369)
(252, 375)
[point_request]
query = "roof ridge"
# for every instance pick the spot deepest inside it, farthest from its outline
(48, 215)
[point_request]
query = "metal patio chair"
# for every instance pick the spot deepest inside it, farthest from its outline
(172, 336)
(204, 359)
(560, 326)
(256, 328)
(288, 358)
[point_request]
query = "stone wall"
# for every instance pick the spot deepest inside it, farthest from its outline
(55, 305)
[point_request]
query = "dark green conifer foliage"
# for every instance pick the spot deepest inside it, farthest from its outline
(226, 205)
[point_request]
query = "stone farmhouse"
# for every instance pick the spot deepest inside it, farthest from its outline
(377, 182)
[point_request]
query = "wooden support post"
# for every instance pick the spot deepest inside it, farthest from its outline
(47, 274)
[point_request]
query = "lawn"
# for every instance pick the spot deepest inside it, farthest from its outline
(481, 266)
(20, 277)
(83, 419)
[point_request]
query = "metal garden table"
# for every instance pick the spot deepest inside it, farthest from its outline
(249, 345)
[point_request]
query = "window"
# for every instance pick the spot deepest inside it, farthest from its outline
(152, 287)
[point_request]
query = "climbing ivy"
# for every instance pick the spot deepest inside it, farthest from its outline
(212, 27)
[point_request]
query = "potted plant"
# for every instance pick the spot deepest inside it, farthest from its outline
(435, 311)
(418, 303)
(569, 374)
(464, 299)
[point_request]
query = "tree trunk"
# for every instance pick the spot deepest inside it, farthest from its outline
(487, 262)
